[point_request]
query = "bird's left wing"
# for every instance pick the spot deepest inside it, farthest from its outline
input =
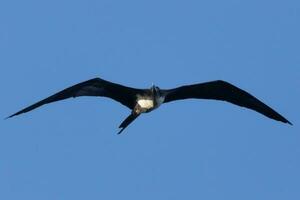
(221, 90)
(94, 87)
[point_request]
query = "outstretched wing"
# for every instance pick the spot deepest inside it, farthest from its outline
(94, 87)
(221, 90)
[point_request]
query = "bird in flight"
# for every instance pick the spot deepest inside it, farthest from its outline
(146, 100)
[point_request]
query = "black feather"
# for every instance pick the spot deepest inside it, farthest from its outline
(224, 91)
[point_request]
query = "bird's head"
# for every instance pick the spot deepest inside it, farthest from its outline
(155, 90)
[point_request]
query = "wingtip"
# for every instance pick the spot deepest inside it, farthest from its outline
(284, 120)
(15, 114)
(6, 118)
(120, 131)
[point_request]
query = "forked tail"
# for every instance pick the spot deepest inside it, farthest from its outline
(127, 121)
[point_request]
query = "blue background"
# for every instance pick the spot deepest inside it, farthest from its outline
(184, 150)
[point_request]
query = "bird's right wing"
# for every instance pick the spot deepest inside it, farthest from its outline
(224, 91)
(94, 87)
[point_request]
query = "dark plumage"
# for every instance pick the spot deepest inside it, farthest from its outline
(145, 100)
(221, 90)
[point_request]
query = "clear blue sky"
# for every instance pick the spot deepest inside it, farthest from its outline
(185, 150)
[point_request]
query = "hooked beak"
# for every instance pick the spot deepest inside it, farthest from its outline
(153, 90)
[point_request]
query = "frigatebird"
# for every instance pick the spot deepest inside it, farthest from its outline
(145, 100)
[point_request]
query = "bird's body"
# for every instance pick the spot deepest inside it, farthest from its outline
(149, 102)
(146, 104)
(146, 100)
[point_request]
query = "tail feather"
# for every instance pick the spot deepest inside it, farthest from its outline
(127, 121)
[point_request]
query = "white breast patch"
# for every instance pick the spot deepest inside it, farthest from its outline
(146, 103)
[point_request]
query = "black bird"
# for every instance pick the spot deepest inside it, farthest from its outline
(145, 100)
